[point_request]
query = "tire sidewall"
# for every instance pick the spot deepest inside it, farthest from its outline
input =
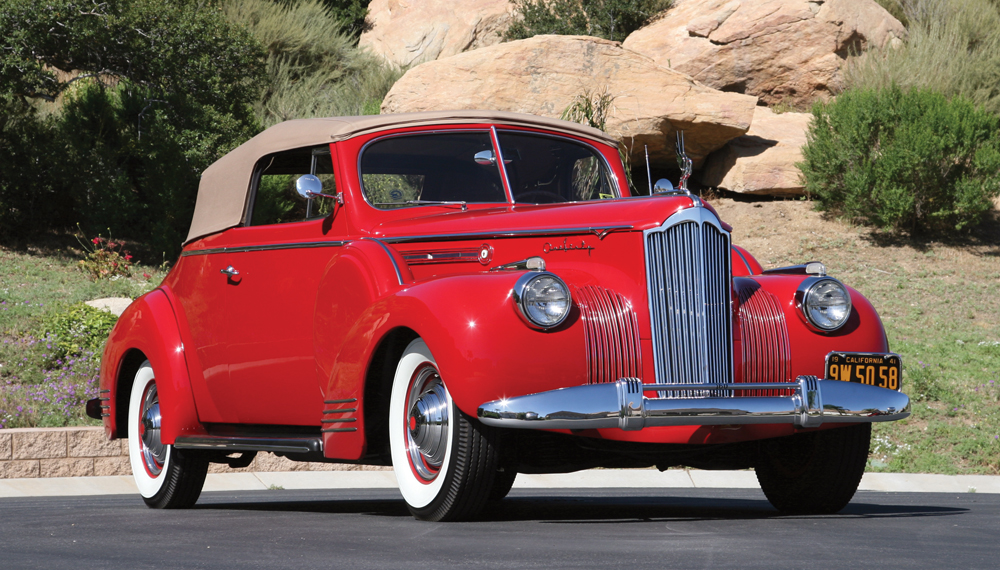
(417, 493)
(148, 485)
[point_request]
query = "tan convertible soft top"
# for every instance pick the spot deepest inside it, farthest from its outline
(222, 194)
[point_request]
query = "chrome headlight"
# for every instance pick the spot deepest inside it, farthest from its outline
(825, 302)
(542, 299)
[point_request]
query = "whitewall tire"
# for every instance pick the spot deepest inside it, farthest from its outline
(166, 478)
(444, 461)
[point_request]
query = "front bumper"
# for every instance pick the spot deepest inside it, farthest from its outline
(622, 404)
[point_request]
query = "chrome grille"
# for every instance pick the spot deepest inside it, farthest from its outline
(688, 279)
(611, 332)
(764, 335)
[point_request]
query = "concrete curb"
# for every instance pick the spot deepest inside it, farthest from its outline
(596, 478)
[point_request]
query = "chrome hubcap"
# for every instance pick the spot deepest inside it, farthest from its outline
(152, 449)
(427, 423)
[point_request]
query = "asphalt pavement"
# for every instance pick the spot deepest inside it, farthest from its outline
(591, 479)
(533, 528)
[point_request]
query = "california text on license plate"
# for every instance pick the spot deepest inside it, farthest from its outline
(874, 369)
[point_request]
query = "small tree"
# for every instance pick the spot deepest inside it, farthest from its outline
(903, 160)
(609, 19)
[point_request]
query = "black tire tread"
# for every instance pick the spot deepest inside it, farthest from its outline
(469, 482)
(814, 473)
(185, 475)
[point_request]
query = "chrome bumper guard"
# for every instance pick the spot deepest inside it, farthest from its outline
(622, 405)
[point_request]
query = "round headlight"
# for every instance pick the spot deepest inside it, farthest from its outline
(826, 303)
(542, 299)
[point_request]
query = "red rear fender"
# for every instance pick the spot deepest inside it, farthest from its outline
(147, 330)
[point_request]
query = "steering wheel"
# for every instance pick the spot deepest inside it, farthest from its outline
(539, 197)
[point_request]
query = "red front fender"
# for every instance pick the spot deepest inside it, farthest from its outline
(483, 349)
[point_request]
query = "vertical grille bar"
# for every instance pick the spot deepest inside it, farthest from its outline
(688, 279)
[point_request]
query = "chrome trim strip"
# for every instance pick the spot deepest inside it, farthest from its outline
(340, 411)
(622, 405)
(399, 274)
(508, 234)
(508, 191)
(269, 247)
(345, 401)
(335, 430)
(105, 391)
(240, 443)
(429, 257)
(340, 421)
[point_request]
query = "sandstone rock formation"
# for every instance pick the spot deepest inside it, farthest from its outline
(407, 32)
(763, 160)
(779, 50)
(542, 75)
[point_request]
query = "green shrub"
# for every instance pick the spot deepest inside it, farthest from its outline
(151, 92)
(77, 330)
(609, 19)
(903, 160)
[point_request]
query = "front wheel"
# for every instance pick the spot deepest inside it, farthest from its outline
(444, 461)
(167, 478)
(815, 472)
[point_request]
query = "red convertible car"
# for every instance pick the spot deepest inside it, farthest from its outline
(471, 295)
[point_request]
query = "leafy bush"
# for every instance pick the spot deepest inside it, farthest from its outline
(76, 330)
(903, 160)
(609, 19)
(953, 46)
(350, 13)
(111, 111)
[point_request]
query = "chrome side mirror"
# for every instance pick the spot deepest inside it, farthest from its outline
(309, 186)
(485, 158)
(662, 185)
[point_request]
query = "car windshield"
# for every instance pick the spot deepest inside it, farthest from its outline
(429, 169)
(547, 170)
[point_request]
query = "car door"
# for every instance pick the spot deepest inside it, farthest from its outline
(280, 257)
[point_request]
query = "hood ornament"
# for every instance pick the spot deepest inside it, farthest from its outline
(663, 186)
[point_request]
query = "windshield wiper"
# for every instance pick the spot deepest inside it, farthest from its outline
(464, 205)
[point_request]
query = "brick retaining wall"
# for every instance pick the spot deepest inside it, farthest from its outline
(84, 452)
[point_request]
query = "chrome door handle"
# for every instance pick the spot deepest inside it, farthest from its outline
(230, 271)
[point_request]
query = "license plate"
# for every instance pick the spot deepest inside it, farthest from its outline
(874, 369)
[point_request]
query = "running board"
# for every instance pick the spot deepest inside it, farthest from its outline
(622, 405)
(238, 443)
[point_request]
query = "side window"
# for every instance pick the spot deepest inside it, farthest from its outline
(275, 200)
(422, 169)
(547, 170)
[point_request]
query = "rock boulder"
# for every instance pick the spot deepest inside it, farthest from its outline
(763, 160)
(407, 32)
(542, 76)
(778, 50)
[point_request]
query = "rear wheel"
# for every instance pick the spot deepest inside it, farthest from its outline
(166, 477)
(816, 472)
(445, 462)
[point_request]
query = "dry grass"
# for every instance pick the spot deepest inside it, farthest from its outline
(940, 302)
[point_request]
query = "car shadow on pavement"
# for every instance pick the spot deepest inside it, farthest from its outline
(567, 507)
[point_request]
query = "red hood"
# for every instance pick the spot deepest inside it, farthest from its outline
(638, 213)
